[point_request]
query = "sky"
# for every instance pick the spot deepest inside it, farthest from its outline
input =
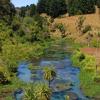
(19, 3)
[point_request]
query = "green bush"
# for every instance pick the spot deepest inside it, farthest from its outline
(86, 29)
(80, 23)
(80, 7)
(98, 34)
(61, 28)
(77, 58)
(87, 75)
(4, 75)
(13, 54)
(86, 62)
(95, 43)
(37, 91)
(88, 85)
(89, 63)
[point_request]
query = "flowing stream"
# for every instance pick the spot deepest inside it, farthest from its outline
(66, 74)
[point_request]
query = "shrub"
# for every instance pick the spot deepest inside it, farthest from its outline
(89, 63)
(98, 34)
(77, 58)
(86, 29)
(37, 91)
(95, 43)
(4, 75)
(86, 62)
(62, 28)
(79, 23)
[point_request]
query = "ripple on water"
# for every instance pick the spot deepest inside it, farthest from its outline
(65, 71)
(24, 73)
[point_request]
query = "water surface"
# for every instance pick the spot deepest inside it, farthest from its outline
(65, 72)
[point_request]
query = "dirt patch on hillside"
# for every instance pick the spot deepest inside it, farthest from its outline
(91, 51)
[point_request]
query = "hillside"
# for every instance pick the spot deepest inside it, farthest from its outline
(70, 23)
(91, 19)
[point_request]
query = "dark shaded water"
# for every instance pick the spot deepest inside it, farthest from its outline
(65, 72)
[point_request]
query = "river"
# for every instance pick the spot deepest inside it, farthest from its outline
(66, 74)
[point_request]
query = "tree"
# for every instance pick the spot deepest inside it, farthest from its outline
(41, 6)
(4, 1)
(73, 7)
(53, 8)
(37, 28)
(7, 11)
(27, 10)
(57, 7)
(32, 10)
(98, 3)
(37, 91)
(49, 74)
(87, 6)
(23, 11)
(81, 7)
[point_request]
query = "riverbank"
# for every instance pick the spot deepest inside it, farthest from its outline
(54, 49)
(66, 82)
(17, 54)
(58, 49)
(89, 78)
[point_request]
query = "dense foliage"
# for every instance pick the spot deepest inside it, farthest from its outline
(27, 11)
(80, 7)
(49, 74)
(7, 10)
(88, 73)
(31, 29)
(98, 3)
(53, 8)
(37, 91)
(20, 41)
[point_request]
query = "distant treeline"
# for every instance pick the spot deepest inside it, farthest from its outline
(54, 8)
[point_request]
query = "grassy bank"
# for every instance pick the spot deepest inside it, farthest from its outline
(13, 55)
(89, 79)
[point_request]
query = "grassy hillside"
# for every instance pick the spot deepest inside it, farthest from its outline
(93, 20)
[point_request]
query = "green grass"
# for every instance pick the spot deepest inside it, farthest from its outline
(87, 67)
(88, 85)
(10, 88)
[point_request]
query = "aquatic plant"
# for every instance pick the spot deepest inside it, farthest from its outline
(37, 91)
(49, 74)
